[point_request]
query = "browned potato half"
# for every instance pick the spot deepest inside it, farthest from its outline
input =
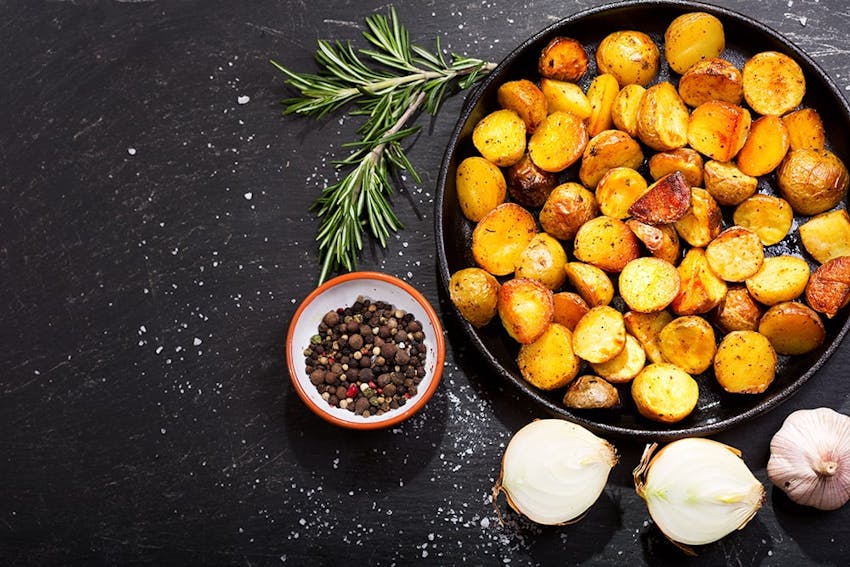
(548, 362)
(665, 201)
(828, 289)
(728, 184)
(703, 220)
(606, 243)
(625, 110)
(827, 235)
(736, 254)
(662, 119)
(768, 216)
(773, 83)
(745, 362)
(662, 240)
(648, 284)
(525, 308)
(569, 308)
(792, 328)
(607, 150)
(718, 129)
(646, 328)
(592, 283)
(766, 145)
(693, 37)
(475, 293)
(625, 366)
(686, 160)
(565, 97)
(591, 392)
(712, 79)
(529, 185)
(700, 289)
(664, 392)
(564, 59)
(805, 129)
(781, 278)
(526, 99)
(480, 187)
(543, 260)
(630, 56)
(812, 181)
(568, 207)
(558, 141)
(737, 311)
(500, 137)
(618, 190)
(601, 93)
(500, 237)
(688, 342)
(600, 335)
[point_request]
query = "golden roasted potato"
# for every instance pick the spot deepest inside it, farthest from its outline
(737, 311)
(526, 99)
(625, 110)
(607, 150)
(768, 216)
(646, 328)
(591, 392)
(688, 342)
(525, 308)
(662, 241)
(568, 206)
(700, 289)
(529, 185)
(563, 59)
(548, 362)
(606, 243)
(625, 366)
(601, 93)
(665, 201)
(664, 392)
(569, 308)
(500, 137)
(828, 289)
(475, 293)
(648, 284)
(792, 328)
(565, 97)
(745, 363)
(712, 79)
(543, 259)
(662, 119)
(812, 181)
(600, 335)
(618, 190)
(728, 184)
(765, 147)
(718, 129)
(781, 278)
(703, 220)
(480, 187)
(691, 38)
(773, 83)
(736, 254)
(591, 283)
(827, 235)
(500, 237)
(558, 141)
(686, 160)
(630, 56)
(805, 129)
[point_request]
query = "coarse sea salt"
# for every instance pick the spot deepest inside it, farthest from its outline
(243, 99)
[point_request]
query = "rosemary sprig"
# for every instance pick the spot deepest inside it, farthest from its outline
(389, 83)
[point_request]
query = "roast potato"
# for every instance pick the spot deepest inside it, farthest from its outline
(688, 342)
(566, 97)
(765, 147)
(525, 308)
(569, 308)
(548, 362)
(773, 83)
(685, 160)
(737, 311)
(600, 335)
(526, 99)
(591, 283)
(745, 362)
(662, 118)
(475, 293)
(625, 110)
(500, 137)
(662, 241)
(500, 237)
(665, 201)
(768, 216)
(828, 289)
(566, 209)
(558, 142)
(543, 259)
(718, 129)
(805, 129)
(812, 181)
(480, 187)
(625, 366)
(827, 235)
(702, 221)
(780, 278)
(564, 59)
(700, 289)
(648, 284)
(630, 56)
(792, 328)
(591, 392)
(601, 93)
(736, 254)
(664, 392)
(646, 328)
(691, 38)
(728, 184)
(618, 190)
(529, 185)
(606, 243)
(606, 150)
(711, 79)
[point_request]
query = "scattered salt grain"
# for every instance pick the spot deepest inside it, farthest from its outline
(131, 151)
(244, 99)
(248, 196)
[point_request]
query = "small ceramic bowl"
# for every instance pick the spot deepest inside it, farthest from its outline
(342, 292)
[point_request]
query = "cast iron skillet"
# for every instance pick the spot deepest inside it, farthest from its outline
(716, 409)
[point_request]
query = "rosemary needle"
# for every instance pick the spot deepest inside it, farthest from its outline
(389, 83)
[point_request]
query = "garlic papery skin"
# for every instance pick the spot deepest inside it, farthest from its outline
(810, 458)
(554, 470)
(697, 490)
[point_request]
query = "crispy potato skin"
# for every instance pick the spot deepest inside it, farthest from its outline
(630, 56)
(828, 290)
(526, 99)
(691, 38)
(827, 235)
(728, 184)
(566, 209)
(500, 237)
(475, 293)
(662, 118)
(737, 311)
(591, 392)
(664, 392)
(529, 185)
(662, 241)
(812, 181)
(563, 59)
(525, 308)
(480, 186)
(712, 79)
(665, 201)
(618, 190)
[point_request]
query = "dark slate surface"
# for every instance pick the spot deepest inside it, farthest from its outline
(155, 239)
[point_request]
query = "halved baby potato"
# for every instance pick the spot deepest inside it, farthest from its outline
(606, 243)
(700, 289)
(827, 235)
(745, 362)
(664, 392)
(703, 220)
(691, 38)
(526, 99)
(718, 129)
(591, 392)
(728, 184)
(567, 208)
(736, 254)
(773, 83)
(662, 240)
(792, 328)
(765, 146)
(828, 289)
(601, 93)
(564, 59)
(630, 56)
(606, 150)
(475, 293)
(481, 187)
(570, 307)
(565, 96)
(662, 119)
(625, 110)
(664, 202)
(526, 308)
(737, 311)
(685, 160)
(591, 283)
(648, 284)
(688, 342)
(768, 216)
(500, 237)
(805, 129)
(618, 190)
(543, 259)
(781, 278)
(558, 142)
(548, 362)
(529, 185)
(600, 335)
(500, 137)
(646, 328)
(711, 79)
(625, 366)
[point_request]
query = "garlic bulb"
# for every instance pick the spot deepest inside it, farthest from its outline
(810, 458)
(697, 490)
(554, 470)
